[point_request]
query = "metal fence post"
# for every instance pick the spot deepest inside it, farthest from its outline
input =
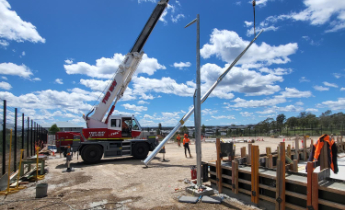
(32, 136)
(15, 140)
(23, 134)
(27, 139)
(4, 141)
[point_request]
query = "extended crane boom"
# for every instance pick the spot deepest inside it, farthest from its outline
(124, 73)
(185, 118)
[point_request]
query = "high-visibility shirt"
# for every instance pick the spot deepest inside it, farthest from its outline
(185, 140)
(332, 152)
(178, 138)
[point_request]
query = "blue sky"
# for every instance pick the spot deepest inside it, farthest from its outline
(56, 57)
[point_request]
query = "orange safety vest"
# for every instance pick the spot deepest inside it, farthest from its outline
(185, 140)
(318, 146)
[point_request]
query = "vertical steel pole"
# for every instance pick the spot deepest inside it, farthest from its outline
(35, 133)
(197, 112)
(15, 140)
(4, 141)
(23, 132)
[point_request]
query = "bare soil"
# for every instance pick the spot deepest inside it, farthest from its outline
(124, 183)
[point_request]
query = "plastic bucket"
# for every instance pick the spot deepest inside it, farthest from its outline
(41, 190)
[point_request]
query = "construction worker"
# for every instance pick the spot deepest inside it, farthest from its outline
(178, 139)
(186, 145)
(332, 152)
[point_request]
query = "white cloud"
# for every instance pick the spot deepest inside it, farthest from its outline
(255, 103)
(208, 111)
(334, 105)
(134, 107)
(239, 80)
(16, 70)
(23, 53)
(320, 88)
(143, 102)
(303, 79)
(140, 1)
(227, 45)
(275, 109)
(12, 27)
(59, 81)
(277, 71)
(4, 78)
(330, 84)
(248, 23)
(5, 86)
(4, 43)
(106, 67)
(176, 18)
(246, 114)
(229, 117)
(69, 61)
(294, 93)
(36, 79)
(342, 89)
(165, 12)
(165, 85)
(299, 103)
(52, 99)
(311, 110)
(260, 2)
(312, 42)
(182, 65)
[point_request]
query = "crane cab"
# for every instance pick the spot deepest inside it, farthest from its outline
(119, 127)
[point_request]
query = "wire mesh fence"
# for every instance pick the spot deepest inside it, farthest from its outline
(17, 133)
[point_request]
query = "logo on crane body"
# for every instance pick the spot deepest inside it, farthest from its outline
(97, 133)
(111, 89)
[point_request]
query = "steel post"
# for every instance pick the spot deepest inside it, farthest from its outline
(4, 140)
(15, 140)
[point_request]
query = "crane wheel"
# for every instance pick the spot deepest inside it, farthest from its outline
(92, 154)
(140, 150)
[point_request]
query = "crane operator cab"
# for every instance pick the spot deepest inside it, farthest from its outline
(129, 126)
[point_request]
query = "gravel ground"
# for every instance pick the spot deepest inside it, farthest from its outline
(124, 183)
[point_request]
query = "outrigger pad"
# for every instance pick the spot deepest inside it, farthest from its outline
(188, 199)
(211, 199)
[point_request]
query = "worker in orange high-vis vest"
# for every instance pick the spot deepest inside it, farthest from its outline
(332, 152)
(186, 145)
(178, 139)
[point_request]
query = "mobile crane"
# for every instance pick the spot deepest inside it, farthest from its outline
(115, 135)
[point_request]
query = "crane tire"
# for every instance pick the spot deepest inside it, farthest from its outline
(140, 150)
(92, 154)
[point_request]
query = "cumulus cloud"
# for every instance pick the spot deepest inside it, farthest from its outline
(342, 89)
(5, 85)
(330, 84)
(143, 102)
(4, 78)
(251, 83)
(242, 103)
(246, 114)
(227, 45)
(182, 65)
(208, 111)
(294, 93)
(176, 18)
(106, 67)
(320, 88)
(299, 103)
(141, 1)
(303, 79)
(275, 109)
(12, 27)
(311, 110)
(229, 117)
(69, 61)
(4, 43)
(134, 107)
(334, 105)
(59, 81)
(15, 70)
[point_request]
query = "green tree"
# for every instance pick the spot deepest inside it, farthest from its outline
(184, 130)
(54, 129)
(280, 120)
(203, 129)
(159, 126)
(292, 122)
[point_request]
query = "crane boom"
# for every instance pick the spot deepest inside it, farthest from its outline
(124, 72)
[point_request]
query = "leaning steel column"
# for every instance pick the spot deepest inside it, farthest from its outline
(203, 99)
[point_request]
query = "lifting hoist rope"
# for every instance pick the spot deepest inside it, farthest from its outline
(254, 4)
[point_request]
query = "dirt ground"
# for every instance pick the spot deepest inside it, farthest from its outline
(124, 183)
